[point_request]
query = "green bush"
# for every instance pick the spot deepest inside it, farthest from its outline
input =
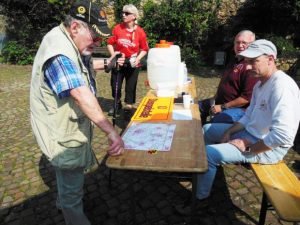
(285, 47)
(16, 53)
(186, 23)
(34, 19)
(192, 57)
(282, 44)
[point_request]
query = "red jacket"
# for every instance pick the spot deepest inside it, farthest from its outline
(128, 42)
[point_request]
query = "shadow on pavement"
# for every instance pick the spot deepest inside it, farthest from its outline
(105, 204)
(122, 118)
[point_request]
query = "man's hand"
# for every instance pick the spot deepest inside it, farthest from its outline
(216, 109)
(116, 144)
(135, 62)
(241, 144)
(89, 105)
(120, 58)
(113, 61)
(226, 137)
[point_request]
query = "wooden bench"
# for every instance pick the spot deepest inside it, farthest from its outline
(281, 189)
(101, 51)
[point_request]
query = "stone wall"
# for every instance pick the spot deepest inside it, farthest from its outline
(2, 24)
(285, 64)
(228, 9)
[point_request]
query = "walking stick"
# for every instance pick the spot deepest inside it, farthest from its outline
(116, 90)
(115, 104)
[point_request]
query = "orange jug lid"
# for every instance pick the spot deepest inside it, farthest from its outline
(163, 44)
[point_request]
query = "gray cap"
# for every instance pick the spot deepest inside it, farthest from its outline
(258, 48)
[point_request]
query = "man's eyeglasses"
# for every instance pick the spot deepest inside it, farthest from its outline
(126, 13)
(92, 33)
(241, 42)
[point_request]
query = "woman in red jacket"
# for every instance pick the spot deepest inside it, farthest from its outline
(129, 39)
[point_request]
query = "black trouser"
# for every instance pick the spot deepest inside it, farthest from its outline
(204, 107)
(131, 75)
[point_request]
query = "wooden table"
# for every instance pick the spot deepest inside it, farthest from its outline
(187, 154)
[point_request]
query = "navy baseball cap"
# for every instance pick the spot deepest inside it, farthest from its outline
(93, 15)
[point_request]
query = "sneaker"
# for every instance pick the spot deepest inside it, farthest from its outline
(185, 209)
(112, 110)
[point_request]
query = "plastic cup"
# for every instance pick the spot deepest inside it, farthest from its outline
(187, 100)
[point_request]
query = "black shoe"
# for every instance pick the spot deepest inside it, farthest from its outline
(185, 209)
(59, 211)
(128, 107)
(112, 110)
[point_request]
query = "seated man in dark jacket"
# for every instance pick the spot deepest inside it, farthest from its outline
(235, 88)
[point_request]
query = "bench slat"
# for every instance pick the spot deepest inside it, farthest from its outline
(282, 188)
(99, 50)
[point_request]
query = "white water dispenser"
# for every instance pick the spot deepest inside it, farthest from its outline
(163, 66)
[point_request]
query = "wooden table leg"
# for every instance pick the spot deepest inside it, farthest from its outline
(263, 209)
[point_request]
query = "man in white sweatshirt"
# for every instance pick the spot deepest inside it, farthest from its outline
(267, 130)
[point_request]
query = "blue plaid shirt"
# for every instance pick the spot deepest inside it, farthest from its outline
(62, 75)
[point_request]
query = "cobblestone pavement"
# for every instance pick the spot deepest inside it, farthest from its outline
(27, 182)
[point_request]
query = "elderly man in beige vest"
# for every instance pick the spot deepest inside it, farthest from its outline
(63, 104)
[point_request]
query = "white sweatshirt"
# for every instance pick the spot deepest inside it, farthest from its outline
(274, 111)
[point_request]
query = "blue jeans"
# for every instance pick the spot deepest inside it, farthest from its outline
(226, 116)
(70, 193)
(219, 154)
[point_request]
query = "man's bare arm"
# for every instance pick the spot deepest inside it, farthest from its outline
(88, 103)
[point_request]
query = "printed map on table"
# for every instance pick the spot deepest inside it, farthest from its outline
(154, 109)
(149, 136)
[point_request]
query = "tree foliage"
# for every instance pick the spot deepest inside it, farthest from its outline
(277, 17)
(27, 22)
(186, 23)
(193, 25)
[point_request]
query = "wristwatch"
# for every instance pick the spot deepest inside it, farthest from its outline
(223, 107)
(248, 149)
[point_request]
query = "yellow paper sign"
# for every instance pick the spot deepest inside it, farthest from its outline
(154, 109)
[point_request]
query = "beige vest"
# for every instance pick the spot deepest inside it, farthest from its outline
(62, 130)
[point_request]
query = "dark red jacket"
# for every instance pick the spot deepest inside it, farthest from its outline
(235, 82)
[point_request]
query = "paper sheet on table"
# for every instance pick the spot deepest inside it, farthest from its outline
(184, 114)
(149, 136)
